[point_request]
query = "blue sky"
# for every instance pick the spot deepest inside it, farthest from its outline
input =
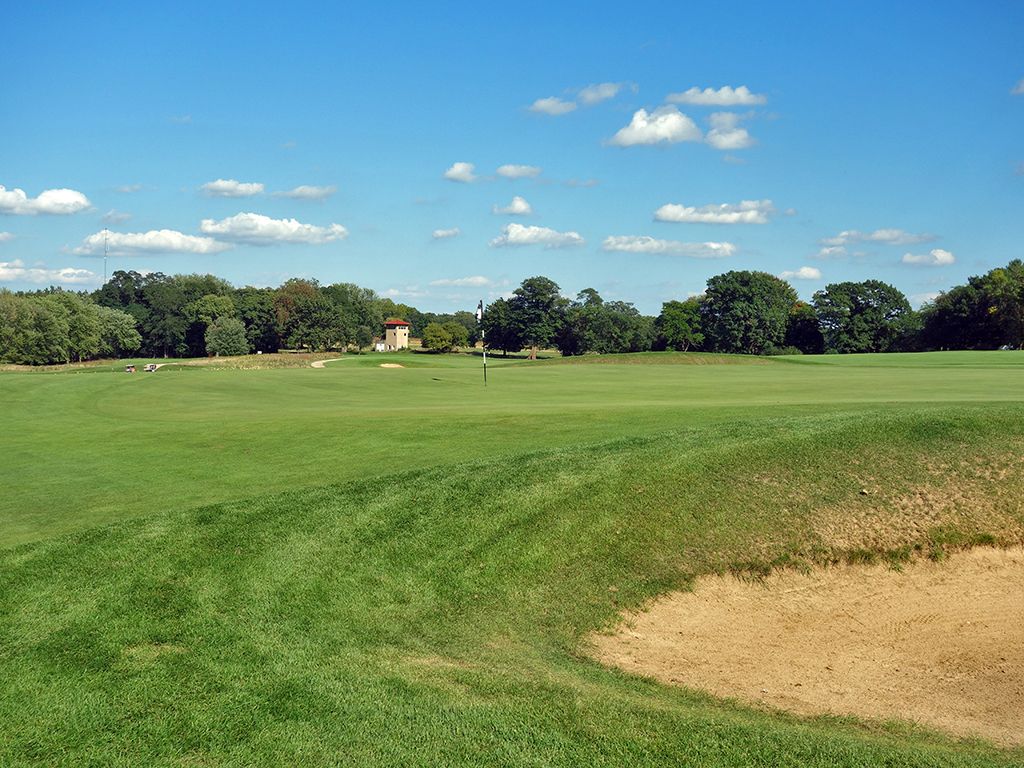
(649, 148)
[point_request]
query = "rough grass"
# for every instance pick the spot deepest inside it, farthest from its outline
(436, 618)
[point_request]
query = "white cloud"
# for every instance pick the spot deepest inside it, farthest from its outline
(518, 207)
(181, 119)
(129, 188)
(59, 202)
(232, 188)
(474, 281)
(308, 192)
(725, 132)
(115, 217)
(745, 212)
(595, 94)
(937, 257)
(517, 234)
(462, 172)
(257, 229)
(665, 124)
(154, 241)
(444, 234)
(5, 236)
(519, 171)
(408, 292)
(804, 273)
(1018, 89)
(552, 105)
(16, 271)
(885, 236)
(832, 252)
(647, 244)
(924, 298)
(723, 97)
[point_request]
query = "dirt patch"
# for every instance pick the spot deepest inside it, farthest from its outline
(391, 365)
(938, 643)
(976, 496)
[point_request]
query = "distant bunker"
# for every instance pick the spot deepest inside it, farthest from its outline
(940, 644)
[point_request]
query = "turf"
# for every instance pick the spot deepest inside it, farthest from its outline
(92, 448)
(374, 566)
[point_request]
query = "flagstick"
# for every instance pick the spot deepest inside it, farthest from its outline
(483, 335)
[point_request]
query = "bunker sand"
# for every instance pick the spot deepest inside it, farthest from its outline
(938, 643)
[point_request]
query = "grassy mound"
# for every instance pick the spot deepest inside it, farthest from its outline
(435, 617)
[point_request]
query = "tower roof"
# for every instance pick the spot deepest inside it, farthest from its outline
(395, 321)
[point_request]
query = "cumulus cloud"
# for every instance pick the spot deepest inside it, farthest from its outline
(474, 281)
(595, 94)
(745, 212)
(885, 236)
(725, 132)
(517, 234)
(647, 244)
(723, 97)
(115, 217)
(308, 192)
(1018, 89)
(832, 252)
(937, 257)
(16, 271)
(232, 188)
(57, 202)
(552, 105)
(257, 229)
(518, 207)
(461, 172)
(665, 124)
(445, 234)
(804, 273)
(144, 243)
(519, 171)
(5, 236)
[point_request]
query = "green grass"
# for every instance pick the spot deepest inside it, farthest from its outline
(374, 566)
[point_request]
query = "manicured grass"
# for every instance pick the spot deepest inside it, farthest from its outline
(86, 449)
(374, 566)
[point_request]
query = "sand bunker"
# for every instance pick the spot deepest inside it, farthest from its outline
(391, 365)
(940, 644)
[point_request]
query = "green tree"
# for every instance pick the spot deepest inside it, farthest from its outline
(678, 325)
(437, 338)
(226, 336)
(870, 316)
(498, 328)
(803, 331)
(118, 334)
(83, 323)
(536, 311)
(255, 307)
(590, 324)
(746, 312)
(33, 330)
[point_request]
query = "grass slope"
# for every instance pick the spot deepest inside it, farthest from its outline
(436, 618)
(81, 450)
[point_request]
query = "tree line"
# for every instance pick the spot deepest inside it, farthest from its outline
(157, 315)
(756, 313)
(749, 312)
